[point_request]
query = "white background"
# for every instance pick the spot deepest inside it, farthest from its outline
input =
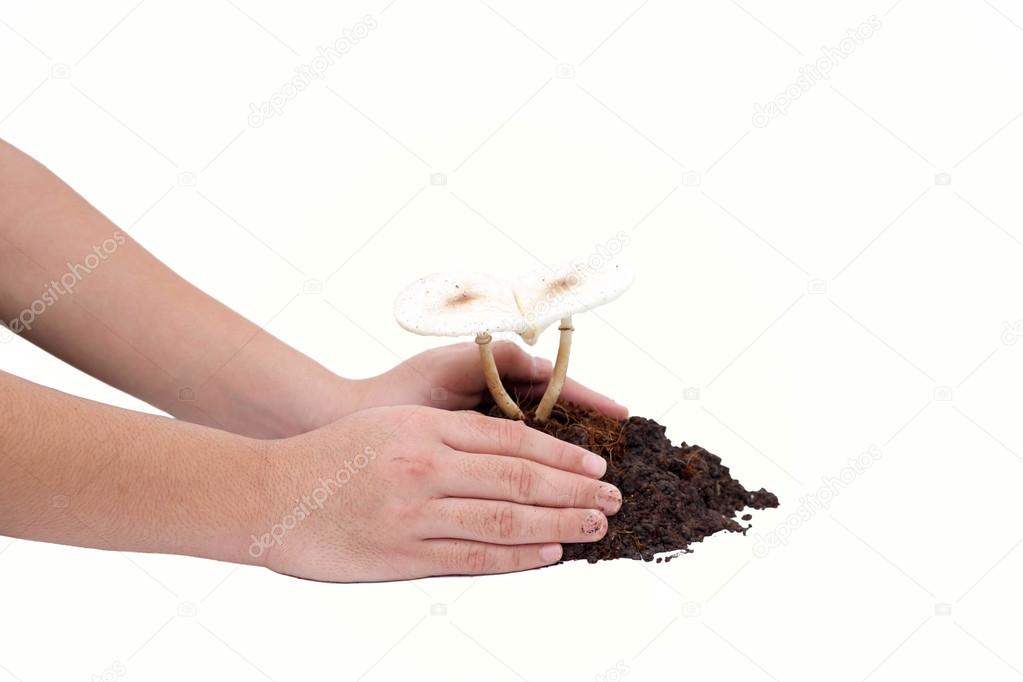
(845, 277)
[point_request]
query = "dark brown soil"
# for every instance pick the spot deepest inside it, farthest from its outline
(672, 495)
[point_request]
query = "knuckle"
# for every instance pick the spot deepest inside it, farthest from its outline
(586, 492)
(503, 521)
(477, 558)
(570, 458)
(574, 493)
(549, 525)
(476, 422)
(416, 418)
(510, 434)
(451, 559)
(559, 526)
(520, 559)
(581, 456)
(413, 468)
(405, 512)
(519, 480)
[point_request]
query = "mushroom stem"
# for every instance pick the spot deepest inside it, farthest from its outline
(557, 382)
(501, 397)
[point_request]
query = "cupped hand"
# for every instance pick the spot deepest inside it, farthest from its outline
(451, 378)
(404, 492)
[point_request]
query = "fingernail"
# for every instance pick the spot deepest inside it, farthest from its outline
(609, 498)
(594, 465)
(550, 553)
(593, 523)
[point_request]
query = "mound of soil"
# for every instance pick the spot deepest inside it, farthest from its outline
(672, 495)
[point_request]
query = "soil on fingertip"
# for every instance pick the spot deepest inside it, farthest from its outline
(672, 495)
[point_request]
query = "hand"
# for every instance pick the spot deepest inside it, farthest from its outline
(404, 492)
(451, 378)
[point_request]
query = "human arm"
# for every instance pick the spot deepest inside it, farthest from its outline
(77, 472)
(84, 290)
(385, 493)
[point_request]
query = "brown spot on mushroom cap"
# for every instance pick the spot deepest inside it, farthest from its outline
(563, 284)
(458, 304)
(461, 299)
(547, 295)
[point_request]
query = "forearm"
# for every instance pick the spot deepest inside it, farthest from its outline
(76, 285)
(81, 473)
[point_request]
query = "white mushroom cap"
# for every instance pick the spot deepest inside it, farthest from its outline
(458, 304)
(546, 296)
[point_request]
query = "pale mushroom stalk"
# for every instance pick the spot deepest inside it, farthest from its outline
(557, 382)
(493, 377)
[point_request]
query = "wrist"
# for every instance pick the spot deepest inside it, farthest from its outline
(267, 390)
(282, 408)
(259, 503)
(327, 399)
(230, 501)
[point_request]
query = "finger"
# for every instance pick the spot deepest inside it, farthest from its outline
(465, 557)
(474, 432)
(532, 374)
(574, 392)
(513, 479)
(506, 523)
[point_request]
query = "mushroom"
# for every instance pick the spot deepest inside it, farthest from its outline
(464, 304)
(558, 293)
